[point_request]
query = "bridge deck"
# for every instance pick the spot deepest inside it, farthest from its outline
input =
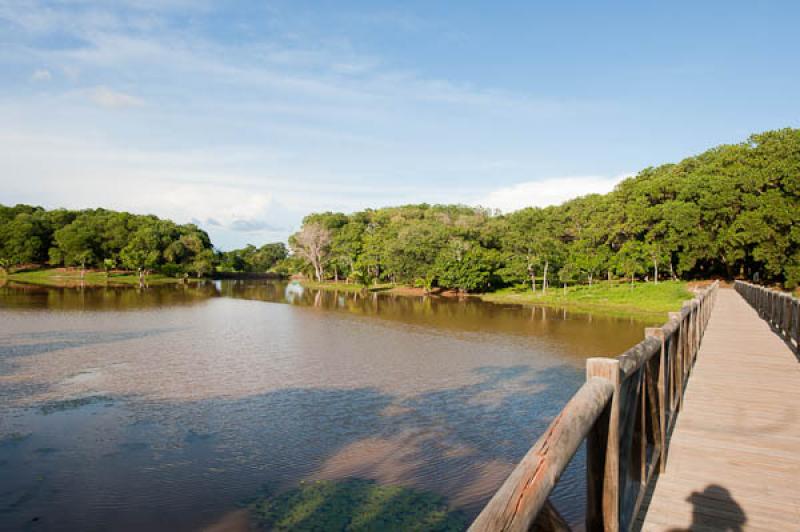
(734, 457)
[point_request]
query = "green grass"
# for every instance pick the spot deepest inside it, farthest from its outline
(341, 286)
(61, 277)
(645, 301)
(355, 505)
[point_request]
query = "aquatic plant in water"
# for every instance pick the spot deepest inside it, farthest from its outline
(355, 505)
(13, 439)
(70, 404)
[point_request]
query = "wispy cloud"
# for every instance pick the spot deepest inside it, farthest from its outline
(256, 131)
(549, 191)
(105, 97)
(41, 74)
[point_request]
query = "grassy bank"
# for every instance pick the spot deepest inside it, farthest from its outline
(65, 277)
(645, 301)
(342, 286)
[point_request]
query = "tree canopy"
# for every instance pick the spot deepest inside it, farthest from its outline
(106, 239)
(731, 211)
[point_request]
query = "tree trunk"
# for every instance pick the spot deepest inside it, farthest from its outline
(590, 279)
(544, 278)
(655, 271)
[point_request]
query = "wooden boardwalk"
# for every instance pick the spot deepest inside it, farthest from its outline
(734, 458)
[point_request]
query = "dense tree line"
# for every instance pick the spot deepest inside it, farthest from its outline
(100, 238)
(252, 259)
(732, 211)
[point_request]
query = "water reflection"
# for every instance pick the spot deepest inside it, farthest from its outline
(163, 409)
(22, 296)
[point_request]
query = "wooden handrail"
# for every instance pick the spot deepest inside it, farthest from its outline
(516, 504)
(624, 411)
(779, 309)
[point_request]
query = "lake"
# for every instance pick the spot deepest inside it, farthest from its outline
(172, 407)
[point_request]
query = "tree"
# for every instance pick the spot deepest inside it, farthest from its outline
(466, 267)
(312, 243)
(143, 252)
(108, 265)
(24, 238)
(78, 243)
(523, 244)
(203, 263)
(567, 274)
(267, 256)
(631, 259)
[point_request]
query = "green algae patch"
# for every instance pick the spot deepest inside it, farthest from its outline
(70, 404)
(356, 506)
(13, 439)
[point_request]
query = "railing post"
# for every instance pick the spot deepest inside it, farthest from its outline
(602, 455)
(787, 316)
(658, 332)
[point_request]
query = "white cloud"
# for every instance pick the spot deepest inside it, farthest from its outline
(260, 132)
(71, 72)
(550, 191)
(41, 74)
(231, 207)
(105, 97)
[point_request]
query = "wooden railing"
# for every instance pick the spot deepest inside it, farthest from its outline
(779, 309)
(624, 412)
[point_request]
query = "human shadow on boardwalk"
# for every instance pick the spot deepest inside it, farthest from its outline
(714, 509)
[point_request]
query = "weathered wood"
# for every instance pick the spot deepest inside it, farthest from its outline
(624, 412)
(519, 500)
(602, 460)
(632, 359)
(733, 456)
(779, 309)
(549, 520)
(661, 407)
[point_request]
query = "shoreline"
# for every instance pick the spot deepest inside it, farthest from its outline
(643, 302)
(617, 300)
(67, 277)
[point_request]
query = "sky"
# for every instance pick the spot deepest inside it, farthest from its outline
(243, 117)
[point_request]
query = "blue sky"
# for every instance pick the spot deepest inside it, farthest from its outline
(244, 116)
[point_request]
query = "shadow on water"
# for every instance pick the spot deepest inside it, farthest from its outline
(182, 465)
(58, 340)
(172, 433)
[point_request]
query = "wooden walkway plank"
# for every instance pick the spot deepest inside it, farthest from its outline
(734, 456)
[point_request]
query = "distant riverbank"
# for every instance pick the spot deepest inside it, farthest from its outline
(643, 301)
(72, 277)
(646, 300)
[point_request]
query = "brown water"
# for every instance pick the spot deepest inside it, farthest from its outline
(165, 409)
